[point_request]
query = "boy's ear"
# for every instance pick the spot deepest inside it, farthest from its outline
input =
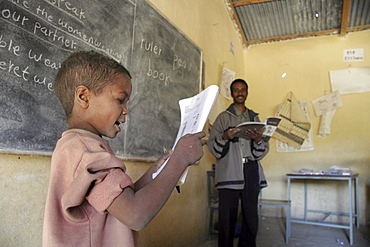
(82, 94)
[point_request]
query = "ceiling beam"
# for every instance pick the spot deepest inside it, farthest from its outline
(345, 17)
(293, 36)
(246, 2)
(358, 28)
(236, 21)
(306, 35)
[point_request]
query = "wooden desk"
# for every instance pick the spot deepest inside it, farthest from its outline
(353, 197)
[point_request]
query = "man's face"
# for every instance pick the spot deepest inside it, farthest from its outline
(239, 93)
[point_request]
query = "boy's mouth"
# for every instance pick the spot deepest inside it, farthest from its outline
(117, 125)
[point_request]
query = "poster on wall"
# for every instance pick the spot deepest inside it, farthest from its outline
(351, 80)
(307, 144)
(222, 103)
(325, 106)
(227, 78)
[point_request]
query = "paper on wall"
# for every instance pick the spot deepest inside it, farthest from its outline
(325, 123)
(308, 142)
(352, 80)
(327, 103)
(326, 106)
(227, 78)
(294, 127)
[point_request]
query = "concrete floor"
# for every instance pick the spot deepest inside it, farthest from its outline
(272, 234)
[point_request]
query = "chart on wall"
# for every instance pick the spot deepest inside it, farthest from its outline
(36, 36)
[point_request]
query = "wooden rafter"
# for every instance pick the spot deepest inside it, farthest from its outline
(293, 36)
(246, 2)
(236, 20)
(345, 17)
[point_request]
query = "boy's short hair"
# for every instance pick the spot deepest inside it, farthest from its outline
(235, 81)
(88, 68)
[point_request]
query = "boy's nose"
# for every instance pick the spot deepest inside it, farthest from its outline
(125, 111)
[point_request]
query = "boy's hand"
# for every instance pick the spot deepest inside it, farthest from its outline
(189, 148)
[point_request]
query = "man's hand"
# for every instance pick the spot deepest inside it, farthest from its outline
(230, 134)
(255, 134)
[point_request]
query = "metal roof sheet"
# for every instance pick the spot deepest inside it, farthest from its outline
(261, 21)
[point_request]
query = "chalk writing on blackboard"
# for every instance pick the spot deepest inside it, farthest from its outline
(36, 36)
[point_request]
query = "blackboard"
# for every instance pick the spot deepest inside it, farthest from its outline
(36, 36)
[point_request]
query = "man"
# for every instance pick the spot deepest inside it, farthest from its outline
(239, 174)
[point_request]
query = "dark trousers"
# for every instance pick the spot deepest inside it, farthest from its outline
(228, 210)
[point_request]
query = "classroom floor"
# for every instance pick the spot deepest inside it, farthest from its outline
(272, 234)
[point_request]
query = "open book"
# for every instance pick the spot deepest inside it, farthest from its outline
(270, 123)
(194, 114)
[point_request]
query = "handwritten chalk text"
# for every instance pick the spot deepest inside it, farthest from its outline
(65, 5)
(54, 35)
(154, 73)
(10, 15)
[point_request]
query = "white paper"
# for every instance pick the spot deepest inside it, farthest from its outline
(194, 114)
(328, 102)
(269, 131)
(325, 123)
(353, 55)
(352, 80)
(226, 79)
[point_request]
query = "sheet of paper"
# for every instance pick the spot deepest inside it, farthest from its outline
(308, 142)
(325, 123)
(352, 80)
(194, 114)
(353, 55)
(226, 79)
(327, 103)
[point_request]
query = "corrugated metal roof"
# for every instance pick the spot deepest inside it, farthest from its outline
(360, 13)
(261, 21)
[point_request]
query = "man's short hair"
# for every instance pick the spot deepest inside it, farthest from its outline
(235, 81)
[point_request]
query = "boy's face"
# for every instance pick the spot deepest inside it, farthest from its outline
(108, 109)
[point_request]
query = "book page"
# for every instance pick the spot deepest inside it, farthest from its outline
(248, 126)
(194, 114)
(272, 124)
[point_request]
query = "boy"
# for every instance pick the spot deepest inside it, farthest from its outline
(91, 200)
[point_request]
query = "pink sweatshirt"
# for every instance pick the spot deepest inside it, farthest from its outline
(85, 179)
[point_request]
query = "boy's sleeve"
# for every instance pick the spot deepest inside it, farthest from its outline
(99, 179)
(103, 193)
